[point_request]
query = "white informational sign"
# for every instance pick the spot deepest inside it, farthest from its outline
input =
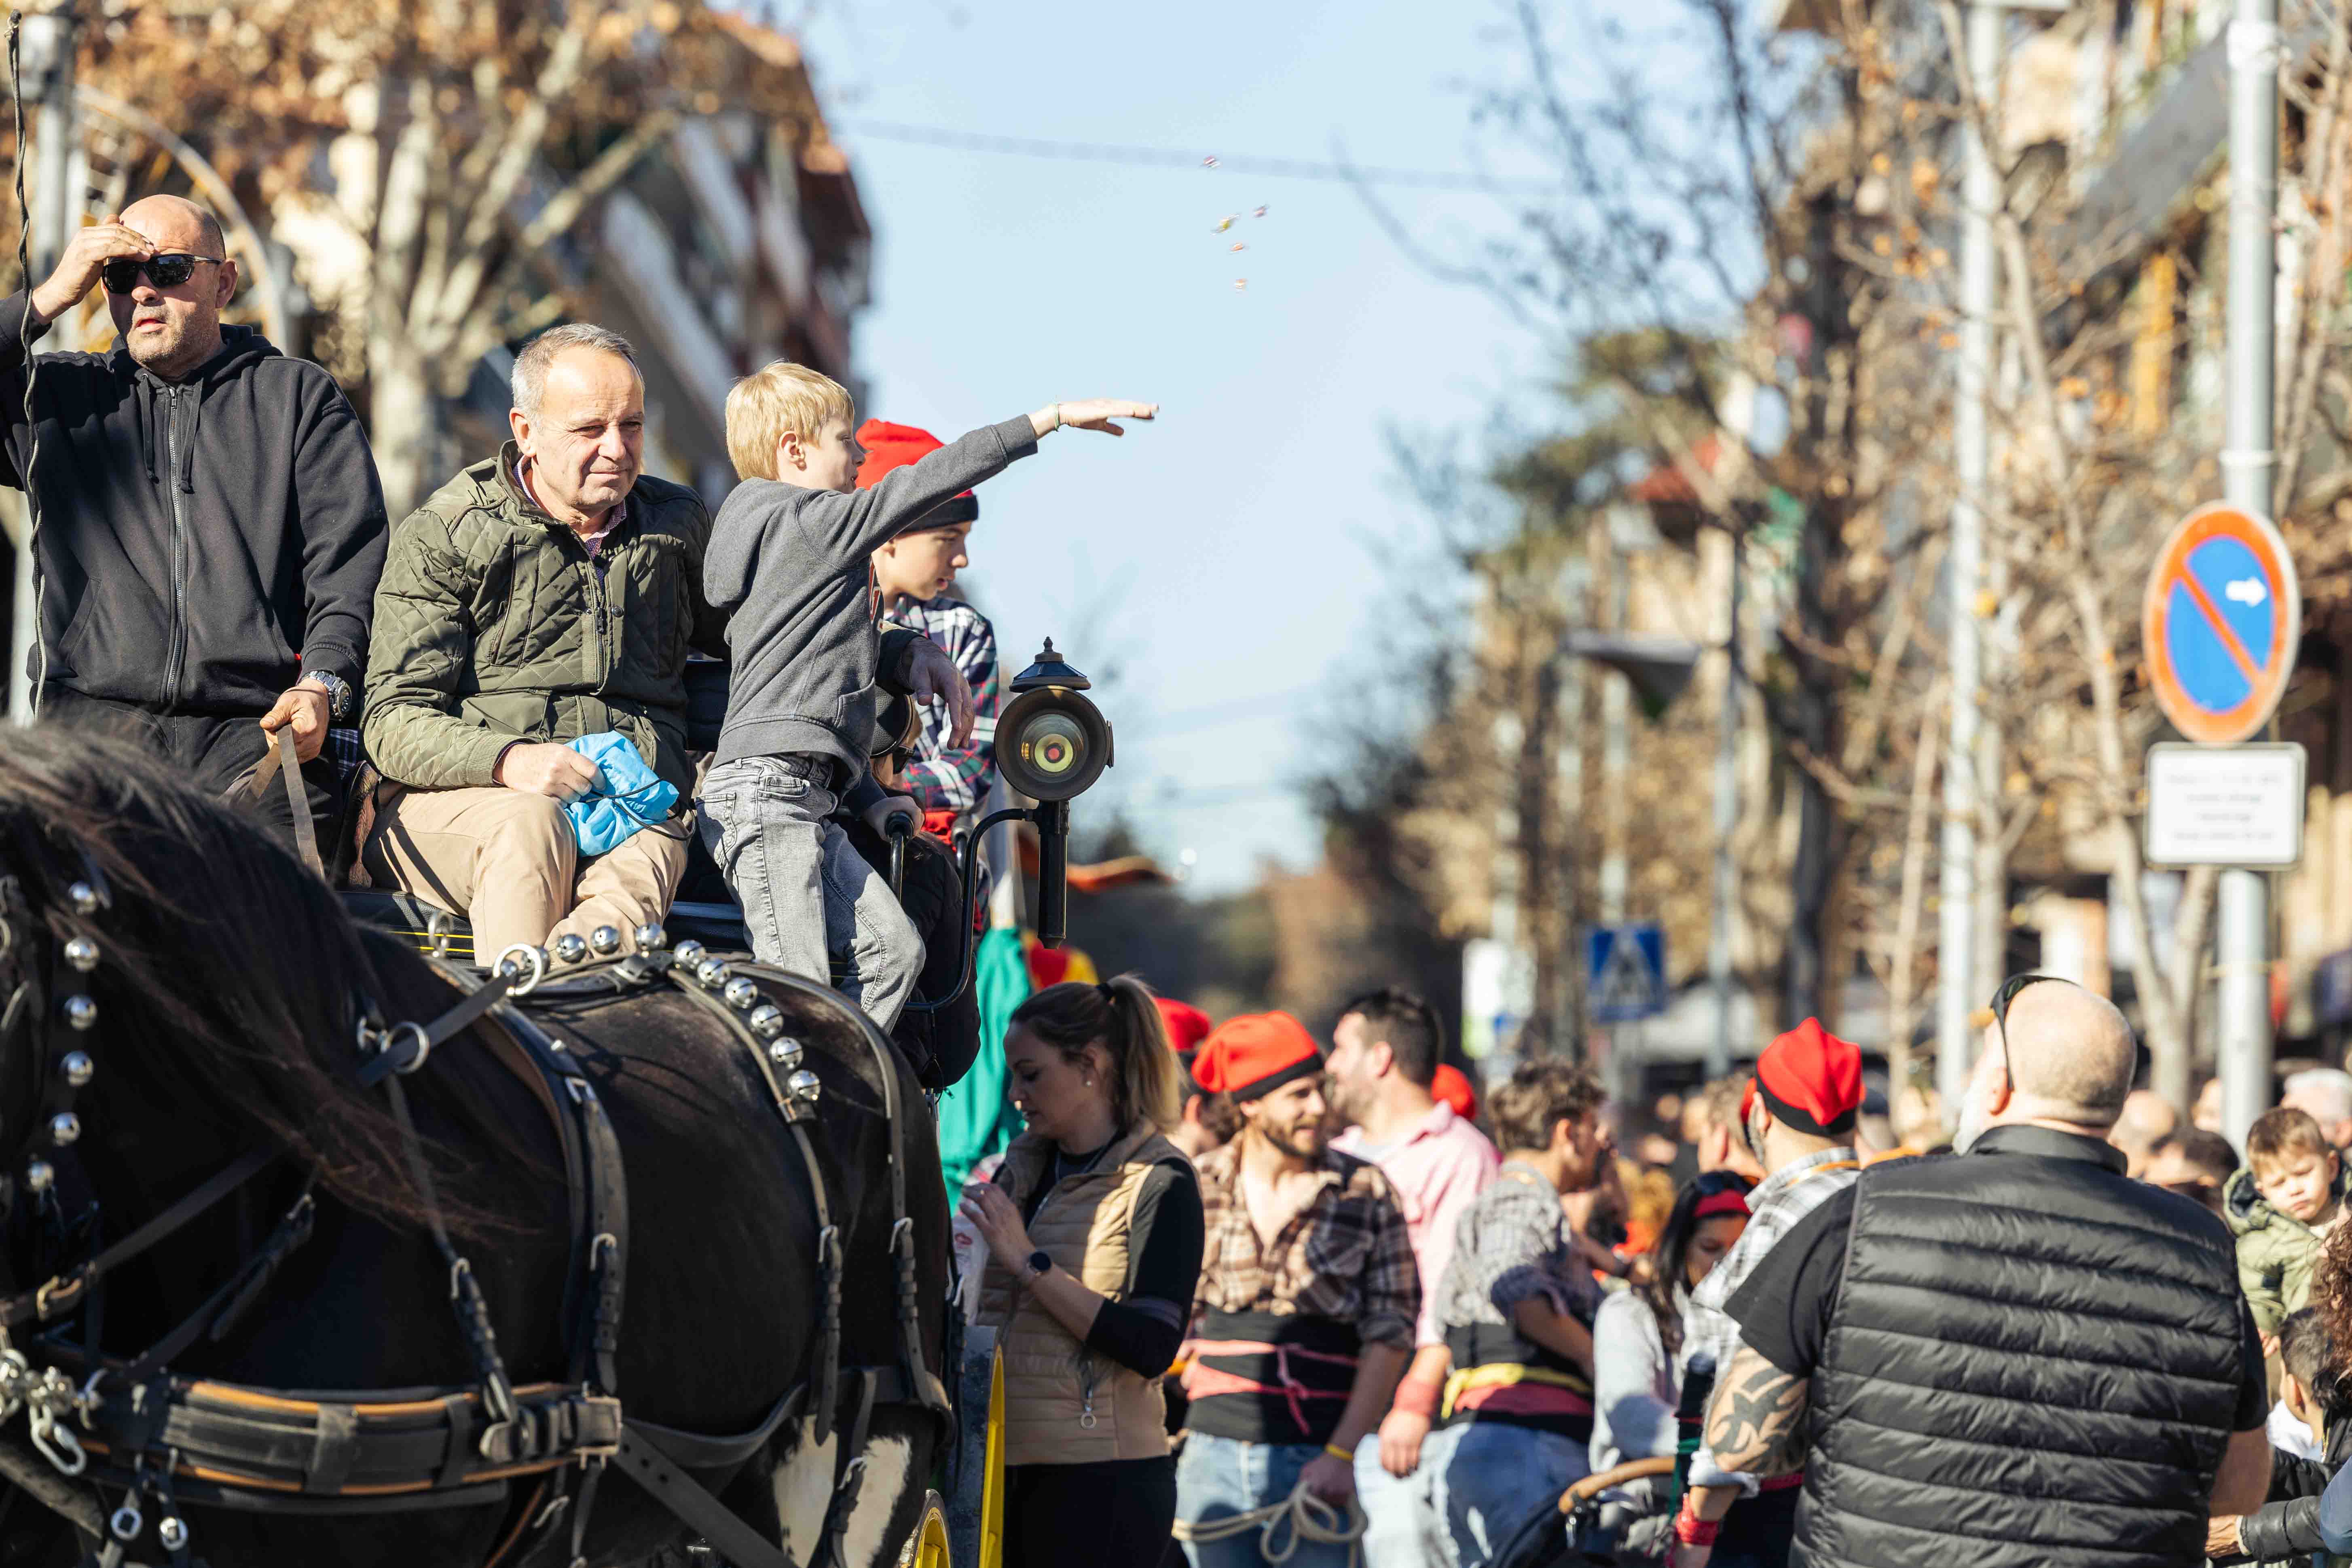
(1495, 1001)
(2224, 806)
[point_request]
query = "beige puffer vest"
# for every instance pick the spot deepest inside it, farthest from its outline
(1065, 1404)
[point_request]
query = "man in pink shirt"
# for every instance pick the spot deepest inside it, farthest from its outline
(1384, 1054)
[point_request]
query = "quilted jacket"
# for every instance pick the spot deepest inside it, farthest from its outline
(493, 624)
(2278, 1254)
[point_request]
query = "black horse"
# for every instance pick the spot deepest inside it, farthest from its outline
(227, 987)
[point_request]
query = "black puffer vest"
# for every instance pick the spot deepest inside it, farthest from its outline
(2033, 1361)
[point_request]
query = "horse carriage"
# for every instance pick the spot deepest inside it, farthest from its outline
(323, 1245)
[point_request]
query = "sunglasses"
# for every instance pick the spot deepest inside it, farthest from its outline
(2001, 1001)
(167, 270)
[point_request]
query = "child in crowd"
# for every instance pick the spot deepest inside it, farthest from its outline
(789, 562)
(915, 573)
(2280, 1207)
(2285, 1530)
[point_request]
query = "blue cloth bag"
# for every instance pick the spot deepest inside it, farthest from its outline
(629, 797)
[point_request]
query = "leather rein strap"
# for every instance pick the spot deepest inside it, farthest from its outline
(280, 760)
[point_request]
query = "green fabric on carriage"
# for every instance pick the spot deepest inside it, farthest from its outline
(976, 1119)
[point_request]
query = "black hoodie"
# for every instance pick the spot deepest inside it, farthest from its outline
(203, 541)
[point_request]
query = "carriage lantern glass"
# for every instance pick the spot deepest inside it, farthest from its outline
(1052, 741)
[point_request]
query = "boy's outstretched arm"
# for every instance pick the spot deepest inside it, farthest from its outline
(1093, 413)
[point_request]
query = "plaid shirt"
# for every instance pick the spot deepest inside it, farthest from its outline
(1779, 1202)
(944, 777)
(1345, 1255)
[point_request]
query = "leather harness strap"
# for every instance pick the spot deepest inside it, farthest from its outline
(280, 760)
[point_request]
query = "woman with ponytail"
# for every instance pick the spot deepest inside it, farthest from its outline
(1094, 1231)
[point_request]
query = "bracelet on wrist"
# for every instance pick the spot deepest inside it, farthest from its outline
(1338, 1453)
(1692, 1531)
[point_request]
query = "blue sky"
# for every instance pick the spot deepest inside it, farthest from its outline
(1225, 563)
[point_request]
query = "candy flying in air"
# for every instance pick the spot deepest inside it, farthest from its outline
(1259, 213)
(1239, 246)
(1240, 284)
(1223, 224)
(1210, 162)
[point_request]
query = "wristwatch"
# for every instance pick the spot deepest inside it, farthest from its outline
(1041, 1263)
(339, 691)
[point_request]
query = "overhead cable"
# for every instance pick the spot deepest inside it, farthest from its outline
(1169, 158)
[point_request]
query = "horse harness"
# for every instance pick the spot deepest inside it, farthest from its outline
(167, 1439)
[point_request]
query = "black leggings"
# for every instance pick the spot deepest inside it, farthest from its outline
(1085, 1516)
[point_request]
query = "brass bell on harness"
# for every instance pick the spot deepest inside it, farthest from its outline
(803, 1086)
(604, 941)
(767, 1020)
(83, 898)
(81, 953)
(712, 973)
(689, 953)
(64, 1128)
(571, 947)
(79, 1068)
(80, 1012)
(785, 1053)
(742, 993)
(651, 938)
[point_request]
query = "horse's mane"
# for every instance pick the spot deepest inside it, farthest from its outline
(237, 972)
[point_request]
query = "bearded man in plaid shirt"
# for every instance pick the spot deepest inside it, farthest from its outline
(914, 574)
(1306, 1304)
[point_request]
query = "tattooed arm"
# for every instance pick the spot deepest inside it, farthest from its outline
(1755, 1422)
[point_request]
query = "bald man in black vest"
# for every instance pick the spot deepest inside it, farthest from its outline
(2013, 1356)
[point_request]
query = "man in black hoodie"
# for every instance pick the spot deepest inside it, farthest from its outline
(211, 526)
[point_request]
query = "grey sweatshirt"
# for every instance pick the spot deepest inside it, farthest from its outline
(790, 567)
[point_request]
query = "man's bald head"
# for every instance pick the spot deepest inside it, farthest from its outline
(175, 223)
(2070, 1056)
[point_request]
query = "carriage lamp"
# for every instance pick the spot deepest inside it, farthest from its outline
(1051, 744)
(1052, 741)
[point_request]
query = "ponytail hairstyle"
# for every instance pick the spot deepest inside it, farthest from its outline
(1122, 1018)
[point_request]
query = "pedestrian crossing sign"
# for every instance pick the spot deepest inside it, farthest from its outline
(1625, 972)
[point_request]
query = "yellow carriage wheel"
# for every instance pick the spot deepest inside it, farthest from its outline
(931, 1536)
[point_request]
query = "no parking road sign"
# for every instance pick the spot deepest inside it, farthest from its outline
(2221, 622)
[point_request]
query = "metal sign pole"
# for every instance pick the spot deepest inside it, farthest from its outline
(1964, 561)
(2247, 463)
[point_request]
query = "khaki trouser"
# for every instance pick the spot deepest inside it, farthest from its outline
(509, 863)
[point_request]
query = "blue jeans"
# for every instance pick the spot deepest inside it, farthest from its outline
(1221, 1477)
(1497, 1478)
(806, 892)
(1402, 1528)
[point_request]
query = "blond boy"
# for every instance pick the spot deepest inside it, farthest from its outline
(789, 562)
(2282, 1206)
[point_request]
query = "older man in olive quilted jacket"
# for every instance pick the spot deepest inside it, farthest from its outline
(550, 593)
